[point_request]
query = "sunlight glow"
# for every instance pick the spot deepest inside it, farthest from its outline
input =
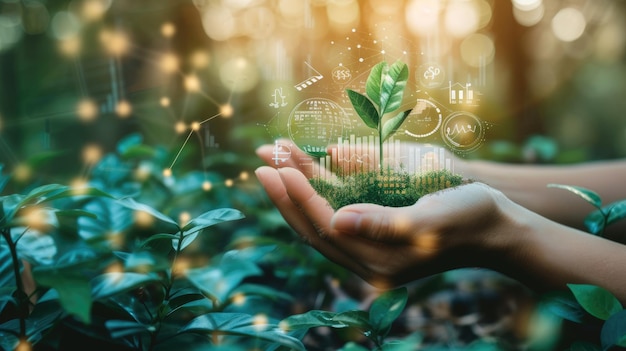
(168, 29)
(568, 24)
(123, 108)
(87, 110)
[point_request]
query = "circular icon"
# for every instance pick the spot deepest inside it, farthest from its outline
(341, 74)
(316, 123)
(424, 120)
(463, 131)
(430, 75)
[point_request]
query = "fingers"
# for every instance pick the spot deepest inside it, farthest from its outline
(390, 225)
(303, 225)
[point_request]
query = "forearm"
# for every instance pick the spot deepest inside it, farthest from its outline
(546, 255)
(527, 186)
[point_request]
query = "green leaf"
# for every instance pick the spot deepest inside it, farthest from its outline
(205, 220)
(597, 301)
(243, 325)
(614, 212)
(614, 331)
(564, 305)
(364, 108)
(392, 87)
(122, 328)
(317, 318)
(110, 284)
(386, 308)
(374, 81)
(129, 141)
(134, 205)
(586, 194)
(220, 280)
(73, 289)
(392, 124)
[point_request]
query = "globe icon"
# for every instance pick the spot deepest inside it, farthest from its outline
(316, 123)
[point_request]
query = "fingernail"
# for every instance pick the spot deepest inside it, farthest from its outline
(347, 222)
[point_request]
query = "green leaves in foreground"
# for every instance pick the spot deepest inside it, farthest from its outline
(375, 324)
(601, 304)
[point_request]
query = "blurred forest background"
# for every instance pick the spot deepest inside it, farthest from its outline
(204, 83)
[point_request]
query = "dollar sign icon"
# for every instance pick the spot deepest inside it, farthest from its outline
(341, 74)
(430, 75)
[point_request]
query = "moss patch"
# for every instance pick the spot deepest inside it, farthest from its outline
(386, 189)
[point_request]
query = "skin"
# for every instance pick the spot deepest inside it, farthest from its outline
(473, 225)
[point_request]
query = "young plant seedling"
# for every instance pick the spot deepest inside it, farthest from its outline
(384, 91)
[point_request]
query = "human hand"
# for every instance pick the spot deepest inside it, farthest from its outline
(387, 246)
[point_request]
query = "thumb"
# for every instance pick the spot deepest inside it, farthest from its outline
(374, 222)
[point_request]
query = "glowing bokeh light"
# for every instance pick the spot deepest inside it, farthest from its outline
(115, 42)
(527, 5)
(70, 46)
(123, 109)
(169, 63)
(168, 29)
(461, 18)
(93, 10)
(165, 101)
(23, 345)
(218, 22)
(192, 83)
(568, 24)
(91, 154)
(199, 59)
(87, 110)
(343, 14)
(65, 25)
(229, 183)
(167, 172)
(22, 172)
(529, 17)
(260, 322)
(226, 110)
(180, 127)
(195, 126)
(477, 50)
(184, 218)
(422, 16)
(244, 176)
(143, 218)
(206, 185)
(258, 22)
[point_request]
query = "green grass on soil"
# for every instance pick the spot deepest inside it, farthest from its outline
(395, 189)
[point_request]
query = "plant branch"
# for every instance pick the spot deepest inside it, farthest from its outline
(22, 298)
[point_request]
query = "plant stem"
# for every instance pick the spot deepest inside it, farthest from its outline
(380, 144)
(22, 298)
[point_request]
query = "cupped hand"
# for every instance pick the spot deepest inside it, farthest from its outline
(388, 246)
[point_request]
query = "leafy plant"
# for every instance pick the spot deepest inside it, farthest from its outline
(374, 324)
(384, 90)
(118, 271)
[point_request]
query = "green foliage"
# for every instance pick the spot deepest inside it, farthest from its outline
(595, 300)
(373, 324)
(101, 272)
(387, 189)
(384, 90)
